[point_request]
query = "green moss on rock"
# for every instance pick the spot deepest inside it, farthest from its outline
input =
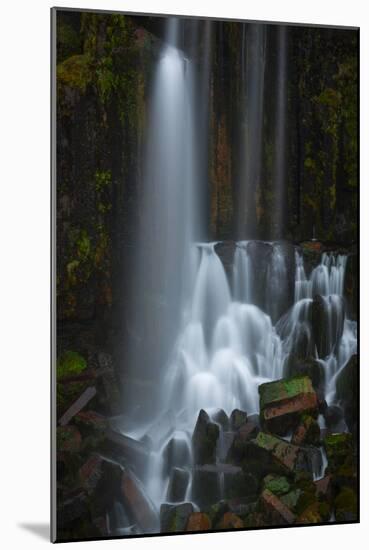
(70, 363)
(75, 72)
(274, 392)
(278, 485)
(345, 505)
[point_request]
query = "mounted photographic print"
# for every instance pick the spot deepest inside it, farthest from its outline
(205, 274)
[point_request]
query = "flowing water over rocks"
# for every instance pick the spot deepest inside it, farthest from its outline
(226, 352)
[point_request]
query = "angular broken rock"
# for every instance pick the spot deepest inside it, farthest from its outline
(238, 418)
(224, 444)
(324, 487)
(178, 483)
(90, 472)
(204, 439)
(177, 454)
(173, 518)
(78, 405)
(205, 485)
(230, 521)
(277, 512)
(284, 402)
(275, 453)
(307, 432)
(198, 521)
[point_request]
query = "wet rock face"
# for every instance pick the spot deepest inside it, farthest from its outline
(220, 417)
(282, 403)
(238, 418)
(176, 454)
(346, 388)
(225, 251)
(307, 366)
(260, 254)
(204, 440)
(178, 483)
(328, 311)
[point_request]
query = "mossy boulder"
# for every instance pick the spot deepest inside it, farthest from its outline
(284, 402)
(339, 449)
(307, 432)
(279, 485)
(271, 454)
(310, 515)
(345, 505)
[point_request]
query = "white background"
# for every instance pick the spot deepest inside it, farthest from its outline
(24, 254)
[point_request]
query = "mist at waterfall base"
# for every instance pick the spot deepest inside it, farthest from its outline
(209, 338)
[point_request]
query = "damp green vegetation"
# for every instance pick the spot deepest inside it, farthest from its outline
(75, 72)
(278, 485)
(70, 363)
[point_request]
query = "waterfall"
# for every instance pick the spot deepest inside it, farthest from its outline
(169, 218)
(242, 274)
(253, 53)
(280, 134)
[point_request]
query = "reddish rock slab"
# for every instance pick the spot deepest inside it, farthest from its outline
(284, 402)
(288, 457)
(307, 432)
(324, 486)
(90, 472)
(138, 504)
(198, 521)
(248, 431)
(277, 511)
(230, 521)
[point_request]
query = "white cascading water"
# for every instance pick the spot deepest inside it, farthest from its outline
(168, 214)
(228, 346)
